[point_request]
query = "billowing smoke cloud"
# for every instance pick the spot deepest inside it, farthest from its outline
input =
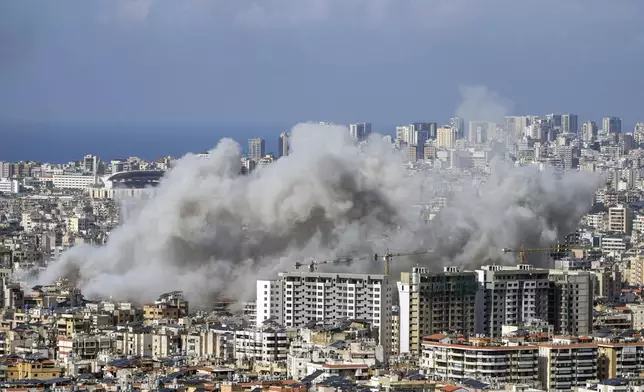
(479, 103)
(211, 231)
(515, 206)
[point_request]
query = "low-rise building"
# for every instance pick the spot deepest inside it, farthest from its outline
(451, 358)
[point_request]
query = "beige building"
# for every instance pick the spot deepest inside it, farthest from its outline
(429, 152)
(412, 153)
(620, 359)
(209, 344)
(446, 137)
(636, 271)
(566, 364)
(619, 219)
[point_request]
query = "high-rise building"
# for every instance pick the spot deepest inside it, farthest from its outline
(611, 125)
(589, 131)
(433, 128)
(90, 164)
(284, 144)
(571, 302)
(445, 137)
(516, 125)
(256, 148)
(431, 302)
(7, 169)
(481, 131)
(638, 133)
(419, 135)
(569, 123)
(297, 298)
(458, 124)
(360, 131)
(404, 134)
(569, 156)
(620, 219)
(554, 120)
(412, 153)
(510, 295)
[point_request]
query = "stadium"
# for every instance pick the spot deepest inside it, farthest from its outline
(139, 183)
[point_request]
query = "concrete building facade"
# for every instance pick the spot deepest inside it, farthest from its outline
(431, 303)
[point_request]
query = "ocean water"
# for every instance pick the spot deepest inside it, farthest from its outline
(59, 143)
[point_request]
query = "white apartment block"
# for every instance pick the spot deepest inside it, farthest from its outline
(564, 365)
(479, 360)
(263, 345)
(70, 181)
(9, 186)
(133, 343)
(613, 244)
(510, 295)
(297, 298)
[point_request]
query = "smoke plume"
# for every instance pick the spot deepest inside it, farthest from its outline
(479, 103)
(211, 231)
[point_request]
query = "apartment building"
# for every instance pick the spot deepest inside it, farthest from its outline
(83, 346)
(265, 345)
(133, 342)
(565, 364)
(636, 271)
(479, 359)
(432, 303)
(510, 295)
(208, 343)
(607, 283)
(614, 243)
(71, 181)
(8, 185)
(620, 359)
(598, 221)
(571, 302)
(620, 219)
(637, 314)
(37, 369)
(297, 298)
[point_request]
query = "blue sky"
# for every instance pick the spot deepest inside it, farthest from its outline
(277, 61)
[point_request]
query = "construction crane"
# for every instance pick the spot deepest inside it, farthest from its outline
(558, 248)
(388, 256)
(312, 265)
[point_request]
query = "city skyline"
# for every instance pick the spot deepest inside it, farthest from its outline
(41, 141)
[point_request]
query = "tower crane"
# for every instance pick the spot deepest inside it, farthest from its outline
(388, 256)
(522, 251)
(312, 265)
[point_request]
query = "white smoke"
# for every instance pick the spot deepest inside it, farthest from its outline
(211, 231)
(479, 103)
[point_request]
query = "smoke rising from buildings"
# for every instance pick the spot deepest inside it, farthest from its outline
(479, 103)
(211, 231)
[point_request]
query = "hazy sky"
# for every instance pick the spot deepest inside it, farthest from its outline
(290, 60)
